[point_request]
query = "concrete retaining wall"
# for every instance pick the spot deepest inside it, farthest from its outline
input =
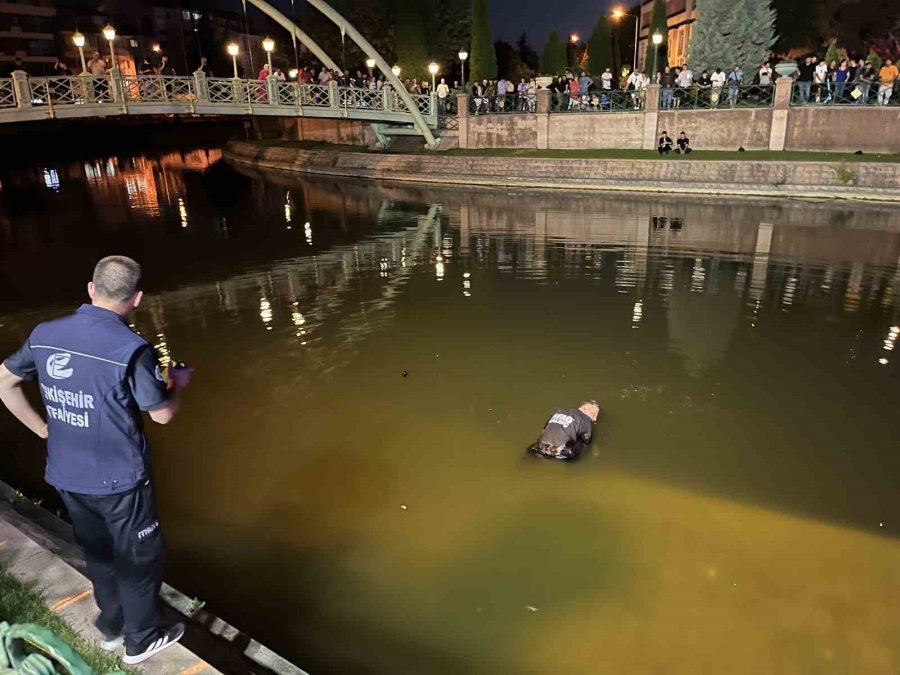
(720, 129)
(848, 129)
(872, 181)
(343, 132)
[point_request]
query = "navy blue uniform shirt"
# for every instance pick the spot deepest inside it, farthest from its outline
(96, 376)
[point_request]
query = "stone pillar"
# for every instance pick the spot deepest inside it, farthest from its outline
(272, 89)
(116, 86)
(333, 99)
(22, 88)
(651, 116)
(462, 115)
(387, 97)
(542, 119)
(782, 109)
(200, 89)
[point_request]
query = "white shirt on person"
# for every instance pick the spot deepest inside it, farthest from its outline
(821, 73)
(685, 78)
(765, 75)
(443, 91)
(606, 80)
(718, 79)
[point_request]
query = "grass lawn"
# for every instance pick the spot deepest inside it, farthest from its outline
(708, 155)
(20, 604)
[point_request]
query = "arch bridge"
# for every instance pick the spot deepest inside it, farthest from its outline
(24, 98)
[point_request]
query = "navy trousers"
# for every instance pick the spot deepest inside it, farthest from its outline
(125, 551)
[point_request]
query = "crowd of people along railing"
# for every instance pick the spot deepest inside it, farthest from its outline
(484, 104)
(714, 97)
(860, 93)
(601, 100)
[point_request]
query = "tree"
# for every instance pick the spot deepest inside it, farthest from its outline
(410, 44)
(835, 53)
(798, 23)
(528, 56)
(658, 57)
(450, 30)
(553, 58)
(509, 63)
(732, 33)
(600, 56)
(484, 59)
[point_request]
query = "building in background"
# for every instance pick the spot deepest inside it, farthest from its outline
(27, 30)
(681, 14)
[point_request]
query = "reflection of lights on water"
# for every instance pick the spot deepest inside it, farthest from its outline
(637, 313)
(883, 361)
(298, 320)
(439, 267)
(111, 168)
(467, 284)
(51, 179)
(287, 209)
(790, 289)
(93, 171)
(307, 230)
(265, 312)
(182, 212)
(385, 266)
(890, 342)
(162, 349)
(447, 247)
(698, 276)
(403, 257)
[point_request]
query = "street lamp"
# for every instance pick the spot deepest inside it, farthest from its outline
(433, 69)
(110, 34)
(155, 48)
(370, 64)
(396, 71)
(78, 39)
(233, 49)
(573, 38)
(463, 55)
(657, 41)
(619, 13)
(269, 45)
(292, 73)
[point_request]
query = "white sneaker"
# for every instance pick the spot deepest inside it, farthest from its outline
(110, 643)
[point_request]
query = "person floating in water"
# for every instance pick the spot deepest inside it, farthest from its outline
(566, 430)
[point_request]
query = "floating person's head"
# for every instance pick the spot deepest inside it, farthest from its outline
(591, 408)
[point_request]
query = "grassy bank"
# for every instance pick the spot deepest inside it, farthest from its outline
(706, 155)
(20, 604)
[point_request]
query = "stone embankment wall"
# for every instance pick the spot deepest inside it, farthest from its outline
(862, 180)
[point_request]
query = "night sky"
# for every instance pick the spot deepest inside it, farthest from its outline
(538, 17)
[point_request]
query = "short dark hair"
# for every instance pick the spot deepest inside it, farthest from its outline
(117, 278)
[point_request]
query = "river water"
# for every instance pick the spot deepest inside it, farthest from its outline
(737, 512)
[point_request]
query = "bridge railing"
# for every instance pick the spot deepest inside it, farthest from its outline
(159, 89)
(25, 98)
(61, 91)
(7, 93)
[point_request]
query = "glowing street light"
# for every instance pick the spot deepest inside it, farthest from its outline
(463, 55)
(396, 71)
(292, 73)
(78, 39)
(657, 41)
(619, 13)
(110, 34)
(573, 38)
(370, 64)
(433, 69)
(269, 44)
(233, 49)
(155, 48)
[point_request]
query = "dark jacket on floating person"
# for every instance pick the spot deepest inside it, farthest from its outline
(565, 430)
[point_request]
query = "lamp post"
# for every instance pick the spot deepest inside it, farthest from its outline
(370, 64)
(292, 73)
(78, 39)
(433, 69)
(269, 44)
(619, 13)
(110, 34)
(396, 71)
(657, 41)
(156, 48)
(233, 49)
(463, 55)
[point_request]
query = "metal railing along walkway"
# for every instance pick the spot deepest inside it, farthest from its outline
(25, 98)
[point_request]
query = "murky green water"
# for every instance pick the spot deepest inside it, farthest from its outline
(737, 512)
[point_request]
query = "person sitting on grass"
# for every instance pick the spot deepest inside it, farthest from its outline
(664, 146)
(684, 145)
(567, 431)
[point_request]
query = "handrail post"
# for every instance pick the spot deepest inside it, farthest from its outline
(201, 91)
(22, 88)
(333, 98)
(387, 95)
(272, 89)
(117, 87)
